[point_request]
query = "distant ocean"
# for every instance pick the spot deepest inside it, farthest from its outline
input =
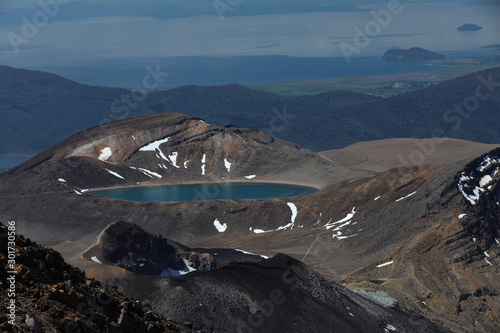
(239, 69)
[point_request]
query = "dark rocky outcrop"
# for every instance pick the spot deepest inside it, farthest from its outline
(128, 246)
(279, 294)
(53, 296)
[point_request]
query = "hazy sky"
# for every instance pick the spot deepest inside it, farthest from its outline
(74, 32)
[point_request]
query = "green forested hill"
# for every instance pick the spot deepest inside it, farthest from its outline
(39, 109)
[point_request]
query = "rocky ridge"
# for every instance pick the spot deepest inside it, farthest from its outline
(130, 247)
(53, 296)
(251, 293)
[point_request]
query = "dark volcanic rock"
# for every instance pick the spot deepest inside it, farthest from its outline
(52, 296)
(280, 294)
(460, 246)
(479, 184)
(128, 246)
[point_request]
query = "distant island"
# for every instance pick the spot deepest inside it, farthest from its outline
(415, 53)
(469, 27)
(493, 46)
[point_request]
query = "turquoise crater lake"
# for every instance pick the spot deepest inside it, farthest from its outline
(205, 191)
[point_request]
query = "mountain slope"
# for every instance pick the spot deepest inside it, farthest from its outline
(40, 109)
(382, 155)
(422, 237)
(52, 296)
(183, 149)
(241, 292)
(455, 108)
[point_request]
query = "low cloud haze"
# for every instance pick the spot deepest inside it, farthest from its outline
(79, 32)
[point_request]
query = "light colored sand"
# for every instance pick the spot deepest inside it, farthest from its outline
(381, 155)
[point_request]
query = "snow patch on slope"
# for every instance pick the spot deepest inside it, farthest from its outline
(389, 328)
(153, 145)
(290, 225)
(105, 154)
(473, 183)
(294, 210)
(260, 231)
(203, 159)
(409, 195)
(148, 173)
(115, 174)
(253, 254)
(173, 159)
(94, 258)
(348, 217)
(385, 264)
(340, 224)
(173, 272)
(485, 181)
(227, 164)
(220, 227)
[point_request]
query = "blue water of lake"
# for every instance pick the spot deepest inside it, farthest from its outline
(206, 191)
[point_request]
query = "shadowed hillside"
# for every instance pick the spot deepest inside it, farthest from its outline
(39, 109)
(53, 296)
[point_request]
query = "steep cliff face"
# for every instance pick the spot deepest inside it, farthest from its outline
(479, 184)
(450, 270)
